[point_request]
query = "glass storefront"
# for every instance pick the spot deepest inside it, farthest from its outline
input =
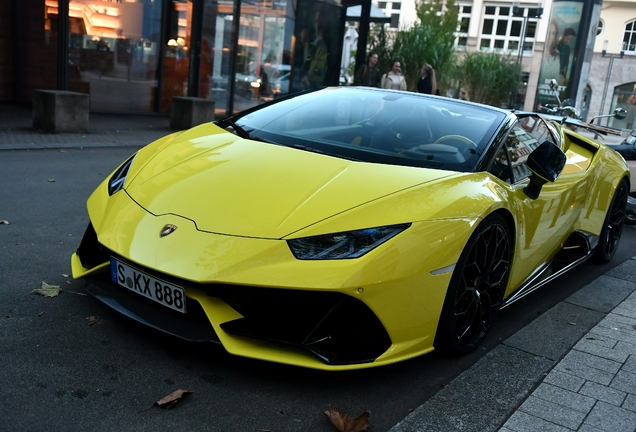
(260, 67)
(624, 97)
(135, 55)
(114, 52)
(176, 43)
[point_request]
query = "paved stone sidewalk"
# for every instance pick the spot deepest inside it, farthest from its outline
(593, 388)
(105, 130)
(572, 369)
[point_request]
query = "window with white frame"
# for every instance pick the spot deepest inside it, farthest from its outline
(503, 27)
(463, 17)
(629, 37)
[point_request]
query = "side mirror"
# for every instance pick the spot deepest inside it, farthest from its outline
(620, 113)
(546, 163)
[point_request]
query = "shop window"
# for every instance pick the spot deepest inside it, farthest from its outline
(624, 97)
(113, 52)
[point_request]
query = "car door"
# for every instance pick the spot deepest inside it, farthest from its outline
(545, 223)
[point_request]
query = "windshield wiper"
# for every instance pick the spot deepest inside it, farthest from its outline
(238, 129)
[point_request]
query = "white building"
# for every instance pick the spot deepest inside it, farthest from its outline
(491, 25)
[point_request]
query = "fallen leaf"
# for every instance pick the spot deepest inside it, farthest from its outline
(170, 400)
(344, 423)
(51, 180)
(41, 313)
(47, 290)
(65, 275)
(4, 222)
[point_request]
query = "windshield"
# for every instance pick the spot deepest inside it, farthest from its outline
(378, 126)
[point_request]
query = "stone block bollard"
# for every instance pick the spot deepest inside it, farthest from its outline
(187, 112)
(58, 111)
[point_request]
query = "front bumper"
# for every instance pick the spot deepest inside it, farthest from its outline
(336, 329)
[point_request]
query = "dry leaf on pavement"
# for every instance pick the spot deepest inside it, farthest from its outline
(172, 398)
(4, 222)
(168, 401)
(47, 290)
(344, 423)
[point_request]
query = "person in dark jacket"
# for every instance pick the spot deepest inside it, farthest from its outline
(427, 83)
(368, 74)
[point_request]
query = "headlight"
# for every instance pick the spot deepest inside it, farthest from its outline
(116, 182)
(352, 244)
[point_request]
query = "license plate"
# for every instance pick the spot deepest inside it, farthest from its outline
(162, 292)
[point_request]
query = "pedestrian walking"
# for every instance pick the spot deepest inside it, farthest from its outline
(427, 83)
(394, 79)
(368, 74)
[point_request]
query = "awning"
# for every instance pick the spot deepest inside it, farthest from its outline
(376, 15)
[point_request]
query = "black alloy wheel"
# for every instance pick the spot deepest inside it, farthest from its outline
(612, 226)
(476, 289)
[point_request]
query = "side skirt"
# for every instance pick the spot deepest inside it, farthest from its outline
(576, 250)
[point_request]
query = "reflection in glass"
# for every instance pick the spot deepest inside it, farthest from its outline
(263, 53)
(113, 52)
(176, 60)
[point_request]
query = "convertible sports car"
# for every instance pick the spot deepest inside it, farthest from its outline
(349, 227)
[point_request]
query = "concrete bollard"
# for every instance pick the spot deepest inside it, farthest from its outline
(187, 112)
(57, 111)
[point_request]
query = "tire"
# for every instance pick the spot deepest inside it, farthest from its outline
(476, 288)
(630, 211)
(612, 226)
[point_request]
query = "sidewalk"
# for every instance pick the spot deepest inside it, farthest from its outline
(105, 130)
(572, 369)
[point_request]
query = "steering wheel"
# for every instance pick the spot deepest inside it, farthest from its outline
(456, 138)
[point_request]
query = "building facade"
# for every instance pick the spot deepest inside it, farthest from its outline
(135, 55)
(504, 26)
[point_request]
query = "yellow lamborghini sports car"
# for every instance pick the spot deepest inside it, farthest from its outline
(349, 227)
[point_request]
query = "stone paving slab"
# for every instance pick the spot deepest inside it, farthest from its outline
(553, 333)
(593, 388)
(475, 401)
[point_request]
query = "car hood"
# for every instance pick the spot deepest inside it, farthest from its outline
(234, 186)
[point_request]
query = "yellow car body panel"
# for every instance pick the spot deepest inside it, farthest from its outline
(184, 179)
(249, 176)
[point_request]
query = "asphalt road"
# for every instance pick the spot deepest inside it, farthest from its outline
(70, 364)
